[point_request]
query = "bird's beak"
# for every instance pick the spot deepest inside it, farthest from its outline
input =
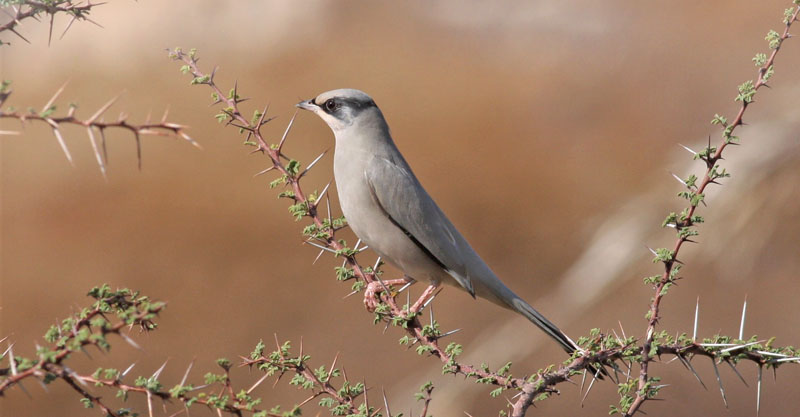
(307, 105)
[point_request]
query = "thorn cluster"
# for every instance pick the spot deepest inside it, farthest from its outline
(33, 9)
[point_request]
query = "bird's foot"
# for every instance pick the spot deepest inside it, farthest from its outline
(371, 298)
(374, 288)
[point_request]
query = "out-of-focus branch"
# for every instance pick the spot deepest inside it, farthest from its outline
(20, 10)
(89, 327)
(95, 125)
(114, 311)
(220, 393)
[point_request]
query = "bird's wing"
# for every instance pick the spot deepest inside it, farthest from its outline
(400, 195)
(398, 192)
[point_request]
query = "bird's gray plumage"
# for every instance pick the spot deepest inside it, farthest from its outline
(387, 207)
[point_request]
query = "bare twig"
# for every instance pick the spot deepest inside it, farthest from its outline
(26, 9)
(93, 124)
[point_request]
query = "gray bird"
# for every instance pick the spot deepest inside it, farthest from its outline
(388, 209)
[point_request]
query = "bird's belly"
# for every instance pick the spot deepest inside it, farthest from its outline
(374, 228)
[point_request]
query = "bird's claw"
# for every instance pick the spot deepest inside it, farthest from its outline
(371, 296)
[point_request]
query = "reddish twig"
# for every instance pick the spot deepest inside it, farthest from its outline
(670, 263)
(92, 125)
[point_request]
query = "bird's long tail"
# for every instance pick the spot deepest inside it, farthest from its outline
(498, 293)
(495, 291)
(519, 305)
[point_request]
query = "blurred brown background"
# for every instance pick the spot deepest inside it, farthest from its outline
(546, 130)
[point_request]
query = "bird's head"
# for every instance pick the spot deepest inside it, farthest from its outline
(344, 108)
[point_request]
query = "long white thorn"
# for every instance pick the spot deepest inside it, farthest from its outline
(264, 171)
(125, 372)
(679, 179)
(719, 382)
(588, 390)
(386, 403)
(60, 140)
(100, 111)
(318, 256)
(689, 366)
(318, 246)
(311, 165)
(55, 96)
(149, 403)
(696, 315)
(286, 132)
(186, 374)
(583, 381)
(451, 332)
(97, 154)
(11, 360)
(758, 390)
(778, 355)
(737, 347)
(744, 313)
(324, 190)
(688, 149)
(157, 373)
(130, 341)
(405, 287)
(328, 206)
(258, 383)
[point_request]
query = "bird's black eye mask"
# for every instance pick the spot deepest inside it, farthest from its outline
(333, 105)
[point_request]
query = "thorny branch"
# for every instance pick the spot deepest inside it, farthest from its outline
(599, 349)
(711, 156)
(114, 311)
(25, 9)
(322, 234)
(218, 392)
(94, 125)
(88, 328)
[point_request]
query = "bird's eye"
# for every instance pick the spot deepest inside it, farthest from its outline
(331, 105)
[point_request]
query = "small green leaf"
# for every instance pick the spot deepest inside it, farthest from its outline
(200, 80)
(293, 167)
(774, 39)
(746, 92)
(768, 73)
(788, 15)
(719, 120)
